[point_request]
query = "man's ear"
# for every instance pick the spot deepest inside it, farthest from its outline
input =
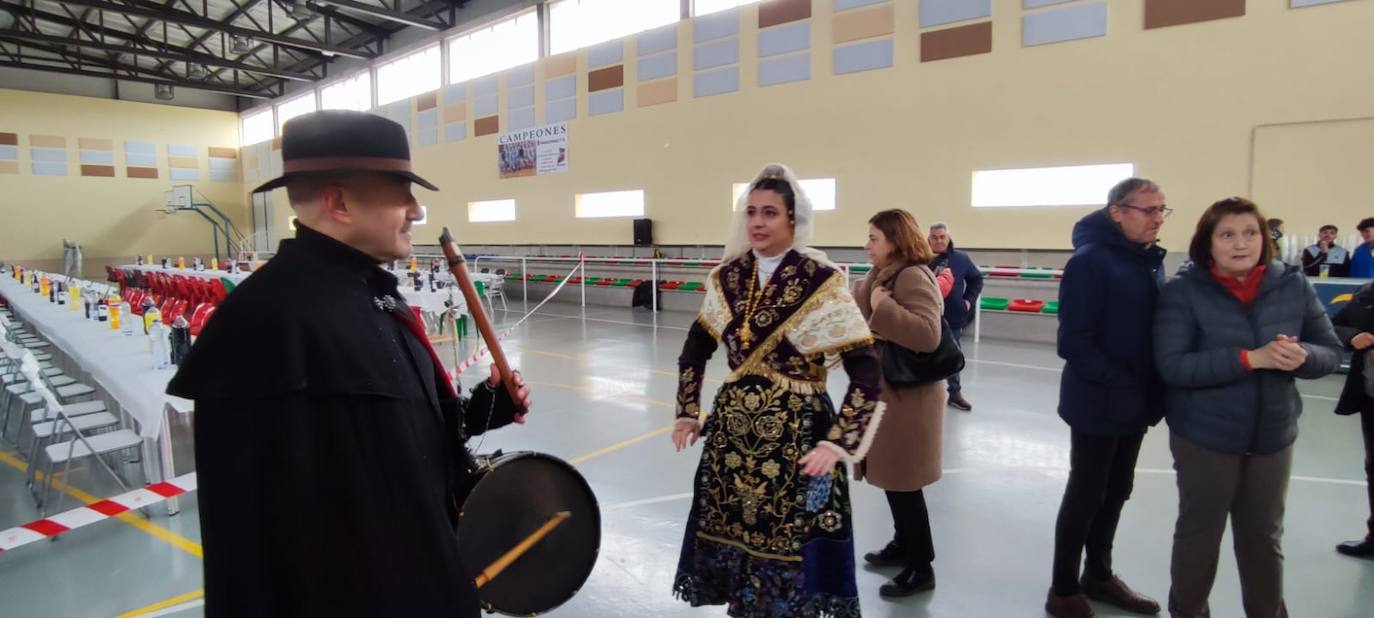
(333, 201)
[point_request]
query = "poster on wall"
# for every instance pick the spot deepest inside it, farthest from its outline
(534, 151)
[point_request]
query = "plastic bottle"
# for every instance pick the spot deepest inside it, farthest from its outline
(126, 325)
(113, 308)
(157, 341)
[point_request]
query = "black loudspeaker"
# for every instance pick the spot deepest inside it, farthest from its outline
(644, 232)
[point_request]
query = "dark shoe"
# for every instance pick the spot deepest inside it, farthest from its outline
(1358, 549)
(910, 581)
(957, 400)
(1068, 606)
(887, 556)
(1115, 592)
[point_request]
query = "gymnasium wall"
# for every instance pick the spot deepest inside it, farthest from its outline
(95, 170)
(1211, 98)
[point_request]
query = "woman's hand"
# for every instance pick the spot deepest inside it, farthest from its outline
(878, 295)
(820, 460)
(1362, 341)
(1283, 353)
(685, 434)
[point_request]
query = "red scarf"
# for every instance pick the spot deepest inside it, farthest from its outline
(1246, 290)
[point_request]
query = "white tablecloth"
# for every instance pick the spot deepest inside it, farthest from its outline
(122, 366)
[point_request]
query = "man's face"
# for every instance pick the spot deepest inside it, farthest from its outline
(939, 240)
(381, 210)
(1327, 235)
(1367, 234)
(1140, 216)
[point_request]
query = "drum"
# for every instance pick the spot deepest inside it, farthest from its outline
(513, 495)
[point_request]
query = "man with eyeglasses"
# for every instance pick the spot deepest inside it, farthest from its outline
(1109, 390)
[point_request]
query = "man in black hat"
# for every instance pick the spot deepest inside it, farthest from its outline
(329, 439)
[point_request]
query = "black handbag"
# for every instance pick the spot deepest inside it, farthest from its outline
(904, 367)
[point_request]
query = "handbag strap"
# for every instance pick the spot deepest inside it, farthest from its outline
(892, 283)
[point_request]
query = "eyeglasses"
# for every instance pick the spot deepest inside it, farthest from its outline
(1162, 211)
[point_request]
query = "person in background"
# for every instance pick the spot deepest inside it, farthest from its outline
(1108, 392)
(1275, 235)
(968, 284)
(1362, 258)
(1230, 338)
(901, 300)
(1355, 328)
(1325, 252)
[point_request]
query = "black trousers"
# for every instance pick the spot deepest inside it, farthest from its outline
(1367, 424)
(1101, 476)
(912, 523)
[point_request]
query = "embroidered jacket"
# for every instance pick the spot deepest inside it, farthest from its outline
(784, 331)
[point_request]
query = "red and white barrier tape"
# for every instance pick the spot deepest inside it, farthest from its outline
(96, 511)
(483, 351)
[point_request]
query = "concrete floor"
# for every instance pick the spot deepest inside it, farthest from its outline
(604, 380)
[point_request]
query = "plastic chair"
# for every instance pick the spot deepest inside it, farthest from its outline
(196, 327)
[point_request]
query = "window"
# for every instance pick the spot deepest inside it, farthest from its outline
(820, 190)
(491, 210)
(257, 127)
(499, 46)
(1075, 185)
(303, 104)
(706, 7)
(354, 93)
(409, 75)
(612, 204)
(574, 24)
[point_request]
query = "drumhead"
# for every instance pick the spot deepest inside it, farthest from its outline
(518, 495)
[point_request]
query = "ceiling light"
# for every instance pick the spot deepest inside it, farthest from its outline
(241, 44)
(164, 92)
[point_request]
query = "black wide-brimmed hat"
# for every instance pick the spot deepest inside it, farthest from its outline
(343, 141)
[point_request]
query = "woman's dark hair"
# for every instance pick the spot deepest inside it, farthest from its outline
(781, 187)
(1200, 249)
(900, 229)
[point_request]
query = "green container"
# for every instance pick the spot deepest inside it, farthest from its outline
(1051, 306)
(989, 303)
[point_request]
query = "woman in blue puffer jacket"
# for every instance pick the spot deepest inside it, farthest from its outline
(1231, 337)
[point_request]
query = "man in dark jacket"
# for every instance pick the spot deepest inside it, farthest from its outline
(1355, 328)
(968, 284)
(329, 440)
(1109, 391)
(1325, 252)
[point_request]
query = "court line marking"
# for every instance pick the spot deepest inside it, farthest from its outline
(621, 322)
(194, 598)
(130, 517)
(584, 359)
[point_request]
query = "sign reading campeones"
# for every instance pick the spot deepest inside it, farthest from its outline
(532, 151)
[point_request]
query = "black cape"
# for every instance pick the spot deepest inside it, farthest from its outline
(327, 453)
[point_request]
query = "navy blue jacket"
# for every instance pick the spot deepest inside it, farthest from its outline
(1200, 329)
(968, 284)
(1106, 313)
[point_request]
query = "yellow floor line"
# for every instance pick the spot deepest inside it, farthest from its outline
(172, 602)
(583, 359)
(619, 445)
(131, 518)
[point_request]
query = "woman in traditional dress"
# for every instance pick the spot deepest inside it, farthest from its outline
(770, 530)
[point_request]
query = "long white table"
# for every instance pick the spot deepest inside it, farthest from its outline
(121, 365)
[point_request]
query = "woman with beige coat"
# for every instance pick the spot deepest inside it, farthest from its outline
(902, 301)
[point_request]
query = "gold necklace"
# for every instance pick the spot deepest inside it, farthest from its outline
(746, 334)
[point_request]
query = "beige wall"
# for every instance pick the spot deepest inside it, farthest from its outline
(1178, 102)
(109, 216)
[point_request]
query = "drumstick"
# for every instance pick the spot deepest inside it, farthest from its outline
(514, 553)
(456, 262)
